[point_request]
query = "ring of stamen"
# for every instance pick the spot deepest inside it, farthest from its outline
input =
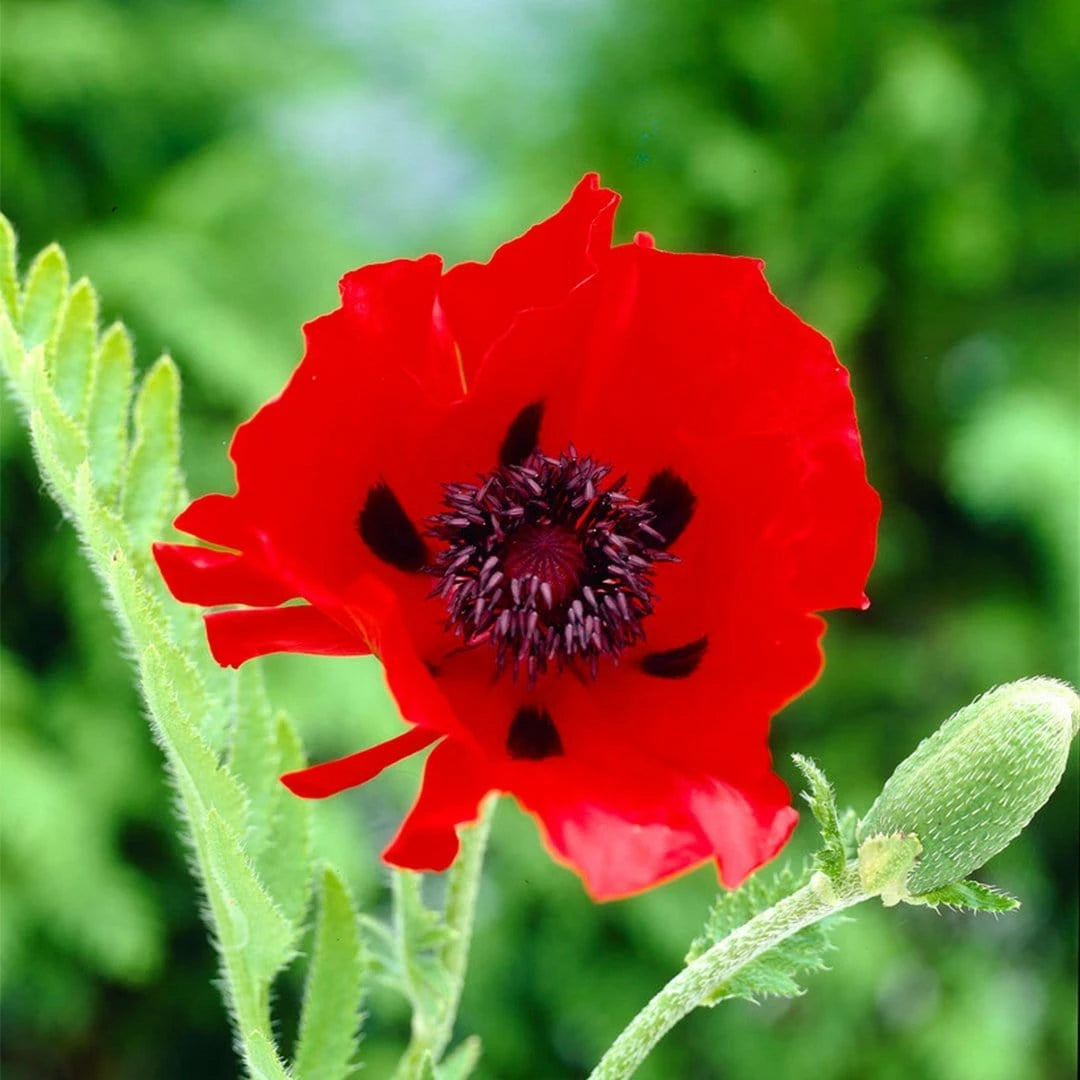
(546, 561)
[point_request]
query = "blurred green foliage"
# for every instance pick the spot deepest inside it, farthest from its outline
(908, 172)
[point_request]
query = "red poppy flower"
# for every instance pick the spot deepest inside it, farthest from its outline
(582, 502)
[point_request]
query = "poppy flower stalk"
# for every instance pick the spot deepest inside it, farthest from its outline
(583, 502)
(969, 789)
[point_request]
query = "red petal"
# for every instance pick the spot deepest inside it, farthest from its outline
(351, 417)
(319, 781)
(626, 818)
(656, 774)
(454, 784)
(376, 610)
(216, 519)
(621, 843)
(753, 410)
(745, 827)
(537, 269)
(198, 575)
(616, 847)
(238, 636)
(617, 858)
(397, 301)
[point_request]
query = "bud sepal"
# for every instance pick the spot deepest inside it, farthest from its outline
(969, 896)
(885, 865)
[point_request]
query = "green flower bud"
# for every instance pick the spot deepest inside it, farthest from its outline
(972, 786)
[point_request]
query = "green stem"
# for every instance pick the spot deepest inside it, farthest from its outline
(462, 889)
(816, 900)
(429, 1040)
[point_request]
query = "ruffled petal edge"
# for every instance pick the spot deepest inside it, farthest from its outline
(618, 856)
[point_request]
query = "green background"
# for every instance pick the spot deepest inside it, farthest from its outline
(907, 169)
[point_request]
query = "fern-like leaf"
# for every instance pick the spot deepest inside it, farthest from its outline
(151, 485)
(327, 1042)
(774, 973)
(71, 349)
(108, 451)
(42, 297)
(9, 281)
(822, 801)
(285, 862)
(108, 408)
(420, 936)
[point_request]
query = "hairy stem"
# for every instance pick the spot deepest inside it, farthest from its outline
(816, 900)
(461, 892)
(429, 1040)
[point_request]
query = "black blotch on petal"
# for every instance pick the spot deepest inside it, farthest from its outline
(533, 735)
(675, 663)
(386, 529)
(523, 435)
(672, 503)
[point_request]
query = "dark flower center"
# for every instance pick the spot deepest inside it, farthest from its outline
(547, 561)
(552, 553)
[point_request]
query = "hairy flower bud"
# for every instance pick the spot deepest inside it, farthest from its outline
(972, 786)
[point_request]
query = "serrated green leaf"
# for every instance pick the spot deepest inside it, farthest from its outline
(251, 927)
(139, 610)
(327, 1042)
(419, 934)
(972, 895)
(46, 287)
(460, 1063)
(261, 1059)
(61, 445)
(12, 355)
(102, 529)
(214, 788)
(253, 753)
(849, 826)
(822, 801)
(9, 282)
(108, 544)
(52, 468)
(285, 862)
(380, 947)
(737, 907)
(773, 973)
(151, 482)
(70, 350)
(70, 381)
(107, 411)
(146, 625)
(421, 926)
